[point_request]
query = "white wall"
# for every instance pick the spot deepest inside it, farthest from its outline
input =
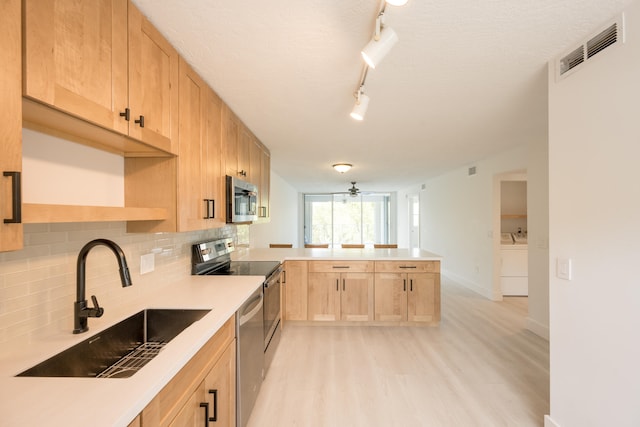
(538, 237)
(594, 219)
(457, 220)
(283, 227)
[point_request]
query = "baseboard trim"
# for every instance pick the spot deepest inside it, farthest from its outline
(538, 328)
(548, 422)
(468, 284)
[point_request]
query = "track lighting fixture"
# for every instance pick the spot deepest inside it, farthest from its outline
(397, 2)
(380, 45)
(362, 100)
(383, 40)
(342, 167)
(360, 109)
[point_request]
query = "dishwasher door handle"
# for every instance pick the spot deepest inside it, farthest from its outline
(256, 302)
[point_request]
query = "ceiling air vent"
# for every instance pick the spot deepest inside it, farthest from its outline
(609, 36)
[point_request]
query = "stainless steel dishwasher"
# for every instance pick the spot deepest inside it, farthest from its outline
(250, 354)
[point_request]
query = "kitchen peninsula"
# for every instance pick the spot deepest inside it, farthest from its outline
(347, 286)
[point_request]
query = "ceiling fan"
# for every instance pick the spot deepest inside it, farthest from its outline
(353, 191)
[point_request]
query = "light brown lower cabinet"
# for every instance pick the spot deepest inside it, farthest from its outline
(211, 404)
(205, 386)
(403, 296)
(340, 290)
(294, 304)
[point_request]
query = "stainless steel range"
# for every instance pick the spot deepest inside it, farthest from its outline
(257, 321)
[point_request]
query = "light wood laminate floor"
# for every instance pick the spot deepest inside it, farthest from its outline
(479, 367)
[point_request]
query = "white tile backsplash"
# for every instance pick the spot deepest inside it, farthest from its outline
(38, 283)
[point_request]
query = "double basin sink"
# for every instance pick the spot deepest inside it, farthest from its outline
(121, 350)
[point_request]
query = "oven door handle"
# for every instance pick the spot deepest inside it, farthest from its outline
(256, 302)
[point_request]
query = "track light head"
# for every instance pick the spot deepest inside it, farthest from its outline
(379, 47)
(397, 2)
(360, 109)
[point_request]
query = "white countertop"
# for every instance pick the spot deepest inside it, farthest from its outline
(68, 402)
(72, 402)
(318, 254)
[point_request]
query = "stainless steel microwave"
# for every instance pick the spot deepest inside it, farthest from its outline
(242, 201)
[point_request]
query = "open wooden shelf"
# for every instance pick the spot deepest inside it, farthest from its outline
(41, 213)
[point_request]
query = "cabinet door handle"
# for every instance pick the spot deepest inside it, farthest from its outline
(206, 413)
(404, 286)
(284, 277)
(140, 121)
(411, 285)
(337, 284)
(344, 286)
(209, 207)
(16, 198)
(215, 405)
(126, 114)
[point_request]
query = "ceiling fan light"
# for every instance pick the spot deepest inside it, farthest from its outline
(342, 167)
(376, 50)
(360, 109)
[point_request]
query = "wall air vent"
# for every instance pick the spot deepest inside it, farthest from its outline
(572, 60)
(603, 40)
(611, 34)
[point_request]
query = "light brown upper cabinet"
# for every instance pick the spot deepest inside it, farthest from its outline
(11, 228)
(236, 140)
(259, 168)
(103, 62)
(189, 186)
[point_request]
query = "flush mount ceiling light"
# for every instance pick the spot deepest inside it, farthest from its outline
(383, 40)
(342, 167)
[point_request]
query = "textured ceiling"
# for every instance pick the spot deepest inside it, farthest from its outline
(467, 78)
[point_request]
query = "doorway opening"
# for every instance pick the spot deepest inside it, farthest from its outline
(511, 258)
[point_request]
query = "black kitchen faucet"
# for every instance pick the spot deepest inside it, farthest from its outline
(80, 310)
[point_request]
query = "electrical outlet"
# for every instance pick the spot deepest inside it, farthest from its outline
(147, 263)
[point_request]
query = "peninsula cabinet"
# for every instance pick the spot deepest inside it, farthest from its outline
(340, 290)
(11, 237)
(206, 385)
(191, 186)
(295, 290)
(103, 62)
(407, 291)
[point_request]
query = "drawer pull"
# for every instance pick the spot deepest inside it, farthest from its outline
(408, 266)
(215, 405)
(340, 266)
(206, 413)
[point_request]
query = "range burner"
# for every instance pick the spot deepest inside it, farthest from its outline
(213, 258)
